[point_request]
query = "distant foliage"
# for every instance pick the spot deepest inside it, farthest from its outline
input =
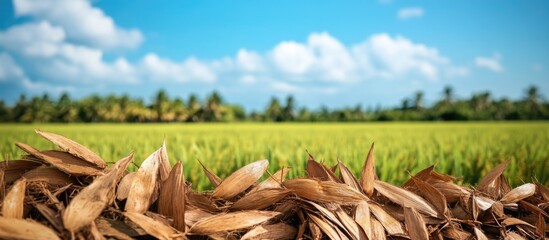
(163, 108)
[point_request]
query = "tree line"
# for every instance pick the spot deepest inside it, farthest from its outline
(123, 108)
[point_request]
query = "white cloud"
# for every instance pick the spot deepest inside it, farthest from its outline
(491, 63)
(81, 21)
(191, 69)
(248, 79)
(292, 57)
(39, 39)
(411, 12)
(249, 61)
(8, 68)
(285, 87)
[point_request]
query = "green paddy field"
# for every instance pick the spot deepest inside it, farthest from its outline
(466, 150)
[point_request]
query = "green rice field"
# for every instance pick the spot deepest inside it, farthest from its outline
(466, 150)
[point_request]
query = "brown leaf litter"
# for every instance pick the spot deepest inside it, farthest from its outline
(68, 193)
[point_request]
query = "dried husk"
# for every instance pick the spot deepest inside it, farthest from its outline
(377, 230)
(13, 204)
(14, 169)
(63, 161)
(165, 167)
(195, 215)
(153, 227)
(95, 234)
(272, 231)
(231, 221)
(491, 183)
(350, 225)
(318, 171)
(144, 184)
(124, 186)
(171, 201)
(479, 234)
(348, 178)
(52, 216)
(240, 180)
(214, 179)
(88, 204)
(327, 228)
(393, 226)
(73, 148)
(363, 218)
(405, 198)
(415, 224)
(273, 181)
(261, 199)
(324, 191)
(49, 175)
(13, 228)
(519, 193)
(434, 196)
(369, 176)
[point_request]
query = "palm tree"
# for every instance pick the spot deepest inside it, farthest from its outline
(448, 94)
(418, 100)
(160, 104)
(289, 109)
(274, 111)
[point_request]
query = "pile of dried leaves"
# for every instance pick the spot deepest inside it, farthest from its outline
(70, 194)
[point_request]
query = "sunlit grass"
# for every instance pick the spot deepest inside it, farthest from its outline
(461, 149)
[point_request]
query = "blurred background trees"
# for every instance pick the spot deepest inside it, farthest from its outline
(163, 108)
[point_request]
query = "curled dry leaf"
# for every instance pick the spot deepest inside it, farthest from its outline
(231, 221)
(435, 197)
(73, 148)
(144, 184)
(88, 204)
(195, 215)
(393, 226)
(63, 161)
(13, 204)
(318, 171)
(51, 216)
(273, 231)
(153, 227)
(350, 225)
(415, 224)
(324, 191)
(369, 173)
(405, 198)
(377, 230)
(214, 179)
(12, 228)
(479, 234)
(260, 199)
(165, 167)
(240, 180)
(363, 218)
(492, 181)
(327, 228)
(519, 193)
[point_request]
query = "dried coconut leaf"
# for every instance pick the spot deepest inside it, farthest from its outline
(12, 228)
(519, 193)
(13, 204)
(316, 233)
(118, 229)
(88, 204)
(543, 191)
(231, 221)
(329, 216)
(144, 184)
(348, 177)
(165, 166)
(273, 181)
(171, 201)
(273, 231)
(324, 191)
(95, 234)
(369, 173)
(327, 228)
(378, 232)
(510, 221)
(434, 196)
(73, 148)
(214, 179)
(52, 216)
(63, 161)
(484, 203)
(415, 224)
(424, 175)
(393, 226)
(153, 227)
(49, 175)
(490, 183)
(14, 169)
(261, 199)
(240, 180)
(451, 191)
(405, 198)
(124, 186)
(513, 236)
(479, 234)
(453, 232)
(541, 227)
(363, 218)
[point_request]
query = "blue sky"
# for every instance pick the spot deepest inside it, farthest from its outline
(323, 52)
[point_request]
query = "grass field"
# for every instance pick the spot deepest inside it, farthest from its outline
(468, 150)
